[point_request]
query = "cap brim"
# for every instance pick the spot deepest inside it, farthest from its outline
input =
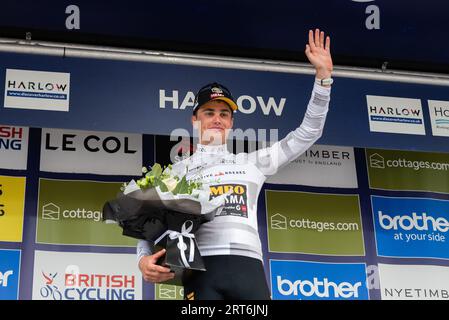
(228, 101)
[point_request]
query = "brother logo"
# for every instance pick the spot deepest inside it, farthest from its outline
(321, 289)
(4, 278)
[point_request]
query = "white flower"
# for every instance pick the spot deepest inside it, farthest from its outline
(170, 183)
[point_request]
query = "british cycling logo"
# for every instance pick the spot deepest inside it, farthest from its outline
(49, 290)
(86, 286)
(12, 138)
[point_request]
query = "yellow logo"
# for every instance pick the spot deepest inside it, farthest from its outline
(12, 203)
(222, 189)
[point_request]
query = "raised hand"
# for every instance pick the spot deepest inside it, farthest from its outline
(319, 54)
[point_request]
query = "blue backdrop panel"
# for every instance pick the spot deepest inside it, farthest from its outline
(125, 97)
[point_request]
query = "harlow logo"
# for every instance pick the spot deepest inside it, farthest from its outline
(377, 161)
(372, 21)
(50, 211)
(279, 222)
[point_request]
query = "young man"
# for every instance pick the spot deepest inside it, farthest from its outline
(230, 243)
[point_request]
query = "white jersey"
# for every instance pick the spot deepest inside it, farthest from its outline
(235, 231)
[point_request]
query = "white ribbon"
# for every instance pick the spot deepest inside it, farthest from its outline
(185, 232)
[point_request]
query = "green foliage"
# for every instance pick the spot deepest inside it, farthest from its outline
(159, 176)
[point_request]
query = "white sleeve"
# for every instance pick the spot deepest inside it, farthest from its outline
(270, 159)
(143, 249)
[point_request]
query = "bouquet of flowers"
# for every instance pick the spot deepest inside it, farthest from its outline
(166, 210)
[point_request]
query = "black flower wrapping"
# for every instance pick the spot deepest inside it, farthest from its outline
(142, 214)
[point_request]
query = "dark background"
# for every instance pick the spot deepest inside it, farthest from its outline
(412, 35)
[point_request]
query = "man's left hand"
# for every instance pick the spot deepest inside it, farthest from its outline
(319, 54)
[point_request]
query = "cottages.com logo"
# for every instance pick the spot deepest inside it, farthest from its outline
(280, 222)
(51, 211)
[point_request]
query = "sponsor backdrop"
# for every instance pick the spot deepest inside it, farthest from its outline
(336, 223)
(363, 214)
(139, 97)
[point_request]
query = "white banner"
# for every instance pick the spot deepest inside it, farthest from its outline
(439, 117)
(91, 152)
(395, 115)
(13, 147)
(37, 90)
(414, 282)
(86, 276)
(320, 166)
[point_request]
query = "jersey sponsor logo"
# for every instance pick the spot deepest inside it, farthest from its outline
(223, 173)
(228, 161)
(236, 203)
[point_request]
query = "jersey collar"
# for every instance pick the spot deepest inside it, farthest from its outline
(211, 149)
